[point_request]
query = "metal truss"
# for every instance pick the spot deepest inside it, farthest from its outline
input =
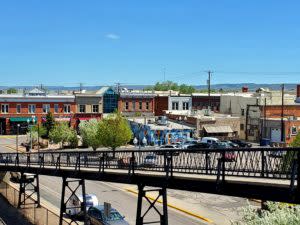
(29, 186)
(163, 216)
(64, 204)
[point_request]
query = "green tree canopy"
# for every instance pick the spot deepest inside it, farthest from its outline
(62, 133)
(11, 91)
(49, 124)
(170, 85)
(114, 131)
(89, 131)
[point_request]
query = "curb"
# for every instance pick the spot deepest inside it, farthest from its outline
(175, 207)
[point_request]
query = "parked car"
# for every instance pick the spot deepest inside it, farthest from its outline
(168, 148)
(210, 140)
(220, 145)
(231, 144)
(198, 146)
(188, 143)
(96, 216)
(242, 143)
(150, 160)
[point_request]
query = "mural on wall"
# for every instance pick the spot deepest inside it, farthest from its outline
(160, 137)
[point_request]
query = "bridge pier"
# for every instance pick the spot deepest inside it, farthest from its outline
(31, 186)
(64, 208)
(142, 193)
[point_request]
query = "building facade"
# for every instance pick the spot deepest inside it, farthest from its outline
(247, 106)
(203, 101)
(109, 98)
(32, 107)
(180, 103)
(136, 104)
(88, 106)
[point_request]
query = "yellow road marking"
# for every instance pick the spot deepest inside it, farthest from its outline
(175, 207)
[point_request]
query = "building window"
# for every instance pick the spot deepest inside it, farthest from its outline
(243, 112)
(126, 105)
(293, 130)
(46, 108)
(56, 108)
(185, 106)
(19, 108)
(175, 105)
(4, 108)
(31, 109)
(95, 108)
(67, 108)
(133, 106)
(140, 105)
(147, 105)
(241, 126)
(82, 108)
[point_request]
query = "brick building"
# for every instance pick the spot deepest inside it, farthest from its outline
(133, 103)
(161, 104)
(33, 107)
(203, 101)
(271, 123)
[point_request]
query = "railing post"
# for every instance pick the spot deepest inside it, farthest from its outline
(206, 162)
(263, 163)
(132, 162)
(223, 165)
(298, 175)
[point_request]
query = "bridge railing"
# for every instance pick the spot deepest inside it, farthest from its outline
(273, 163)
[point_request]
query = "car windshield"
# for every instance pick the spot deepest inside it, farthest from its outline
(113, 216)
(150, 157)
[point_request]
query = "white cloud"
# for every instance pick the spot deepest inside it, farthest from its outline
(112, 36)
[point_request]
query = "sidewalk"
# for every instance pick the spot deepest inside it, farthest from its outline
(209, 208)
(10, 214)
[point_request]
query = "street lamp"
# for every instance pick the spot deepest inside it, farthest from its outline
(17, 141)
(33, 121)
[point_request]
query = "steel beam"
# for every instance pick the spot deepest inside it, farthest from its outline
(142, 194)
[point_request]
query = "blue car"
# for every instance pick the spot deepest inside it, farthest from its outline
(95, 216)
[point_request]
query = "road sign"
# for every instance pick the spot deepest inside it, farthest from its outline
(107, 208)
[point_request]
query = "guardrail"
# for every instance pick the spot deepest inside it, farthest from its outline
(272, 163)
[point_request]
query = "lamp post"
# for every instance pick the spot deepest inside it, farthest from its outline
(17, 139)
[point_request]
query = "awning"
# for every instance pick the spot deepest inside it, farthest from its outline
(20, 119)
(218, 129)
(62, 119)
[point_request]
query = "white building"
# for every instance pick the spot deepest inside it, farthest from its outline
(180, 102)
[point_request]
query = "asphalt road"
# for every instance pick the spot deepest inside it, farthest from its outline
(123, 201)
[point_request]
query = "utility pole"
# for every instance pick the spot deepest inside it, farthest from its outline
(265, 118)
(282, 107)
(208, 84)
(80, 87)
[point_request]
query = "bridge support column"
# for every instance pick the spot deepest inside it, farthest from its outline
(162, 193)
(29, 184)
(73, 186)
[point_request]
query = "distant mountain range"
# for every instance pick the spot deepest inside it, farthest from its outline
(225, 87)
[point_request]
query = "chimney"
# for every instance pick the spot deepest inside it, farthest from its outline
(298, 91)
(245, 89)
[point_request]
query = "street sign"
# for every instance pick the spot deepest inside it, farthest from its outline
(107, 208)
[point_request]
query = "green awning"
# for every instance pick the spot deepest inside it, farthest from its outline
(20, 119)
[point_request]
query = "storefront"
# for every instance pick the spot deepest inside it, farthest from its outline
(23, 124)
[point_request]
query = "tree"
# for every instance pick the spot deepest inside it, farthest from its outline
(11, 91)
(290, 156)
(49, 124)
(114, 131)
(62, 133)
(89, 131)
(40, 129)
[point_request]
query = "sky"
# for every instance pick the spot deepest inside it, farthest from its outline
(67, 42)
